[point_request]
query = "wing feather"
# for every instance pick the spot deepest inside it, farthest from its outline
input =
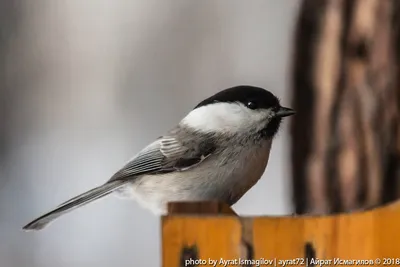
(167, 154)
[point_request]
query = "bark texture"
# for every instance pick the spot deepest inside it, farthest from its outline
(346, 91)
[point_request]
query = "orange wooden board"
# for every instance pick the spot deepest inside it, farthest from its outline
(371, 235)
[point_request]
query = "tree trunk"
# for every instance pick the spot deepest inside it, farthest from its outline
(346, 91)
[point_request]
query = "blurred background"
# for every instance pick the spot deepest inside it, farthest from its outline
(84, 85)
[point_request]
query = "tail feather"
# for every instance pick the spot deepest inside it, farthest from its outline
(72, 204)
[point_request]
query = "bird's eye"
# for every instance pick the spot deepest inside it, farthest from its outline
(251, 105)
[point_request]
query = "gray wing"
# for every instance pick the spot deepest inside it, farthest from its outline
(167, 154)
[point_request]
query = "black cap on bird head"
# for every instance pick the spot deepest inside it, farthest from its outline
(253, 98)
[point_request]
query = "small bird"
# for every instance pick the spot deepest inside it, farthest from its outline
(217, 152)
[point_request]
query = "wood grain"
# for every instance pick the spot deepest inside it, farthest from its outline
(367, 235)
(215, 238)
(346, 91)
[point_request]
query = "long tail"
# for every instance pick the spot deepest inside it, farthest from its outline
(73, 203)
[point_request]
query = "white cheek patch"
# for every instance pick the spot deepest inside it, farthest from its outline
(222, 117)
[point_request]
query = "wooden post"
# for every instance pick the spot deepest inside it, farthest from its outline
(197, 208)
(198, 240)
(222, 235)
(346, 91)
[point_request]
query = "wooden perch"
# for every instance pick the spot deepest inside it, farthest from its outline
(197, 208)
(346, 91)
(368, 235)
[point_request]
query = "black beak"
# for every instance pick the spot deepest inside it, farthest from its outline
(284, 112)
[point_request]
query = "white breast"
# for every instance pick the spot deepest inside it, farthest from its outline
(222, 177)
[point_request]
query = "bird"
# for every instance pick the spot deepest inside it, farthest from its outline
(217, 152)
